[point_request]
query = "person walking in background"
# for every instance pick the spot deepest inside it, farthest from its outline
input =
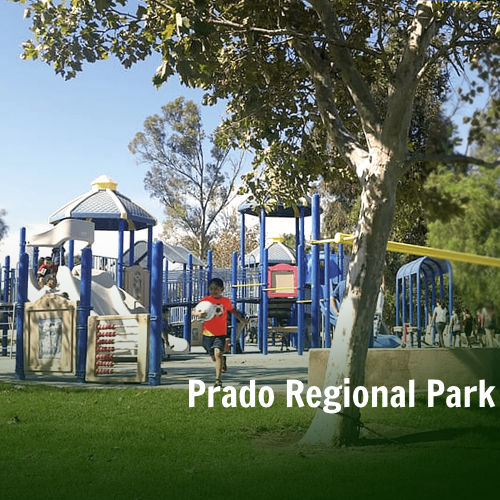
(456, 328)
(467, 326)
(480, 328)
(439, 317)
(489, 315)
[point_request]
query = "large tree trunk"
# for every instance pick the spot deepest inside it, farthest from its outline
(352, 333)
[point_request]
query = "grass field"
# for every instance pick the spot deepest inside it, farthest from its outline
(147, 443)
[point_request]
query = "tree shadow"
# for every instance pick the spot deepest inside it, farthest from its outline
(376, 434)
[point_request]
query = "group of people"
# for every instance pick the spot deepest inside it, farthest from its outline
(485, 327)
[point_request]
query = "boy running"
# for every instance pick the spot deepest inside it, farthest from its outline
(215, 329)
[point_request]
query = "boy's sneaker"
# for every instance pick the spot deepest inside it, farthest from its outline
(218, 382)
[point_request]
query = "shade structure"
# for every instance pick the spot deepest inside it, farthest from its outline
(278, 253)
(425, 267)
(105, 206)
(174, 254)
(418, 284)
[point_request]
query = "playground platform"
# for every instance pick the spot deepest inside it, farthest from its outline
(273, 369)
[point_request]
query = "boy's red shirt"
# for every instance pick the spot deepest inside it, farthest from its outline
(217, 326)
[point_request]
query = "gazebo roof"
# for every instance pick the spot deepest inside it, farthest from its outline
(174, 254)
(105, 207)
(278, 253)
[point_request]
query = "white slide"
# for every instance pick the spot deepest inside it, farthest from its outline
(68, 229)
(107, 299)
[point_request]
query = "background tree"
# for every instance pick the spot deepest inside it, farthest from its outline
(228, 240)
(476, 228)
(192, 190)
(300, 77)
(3, 226)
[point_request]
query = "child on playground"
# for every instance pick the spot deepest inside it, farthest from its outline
(215, 329)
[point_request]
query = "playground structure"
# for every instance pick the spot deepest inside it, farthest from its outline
(119, 307)
(420, 282)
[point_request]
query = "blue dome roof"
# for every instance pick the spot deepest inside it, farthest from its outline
(105, 207)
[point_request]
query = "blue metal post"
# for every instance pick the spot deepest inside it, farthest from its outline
(71, 254)
(150, 247)
(84, 313)
(234, 300)
(165, 282)
(300, 240)
(410, 306)
(341, 263)
(154, 361)
(5, 298)
(398, 299)
(22, 242)
(302, 223)
(22, 297)
(242, 239)
(403, 301)
(326, 298)
(297, 233)
(433, 305)
(189, 299)
(36, 253)
(265, 303)
(301, 297)
(263, 278)
(243, 291)
(419, 310)
(315, 277)
(119, 270)
(131, 251)
(210, 267)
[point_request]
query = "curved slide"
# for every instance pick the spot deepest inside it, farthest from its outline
(68, 229)
(107, 299)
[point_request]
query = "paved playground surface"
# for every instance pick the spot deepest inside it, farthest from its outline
(273, 369)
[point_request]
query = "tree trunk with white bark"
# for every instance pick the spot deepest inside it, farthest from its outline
(352, 333)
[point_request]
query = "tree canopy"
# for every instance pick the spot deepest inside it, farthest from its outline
(229, 241)
(317, 87)
(475, 229)
(3, 226)
(192, 190)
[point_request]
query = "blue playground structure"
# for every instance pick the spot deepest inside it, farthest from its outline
(418, 285)
(287, 299)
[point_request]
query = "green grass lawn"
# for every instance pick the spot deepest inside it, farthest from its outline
(147, 443)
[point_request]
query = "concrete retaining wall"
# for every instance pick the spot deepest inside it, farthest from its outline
(391, 367)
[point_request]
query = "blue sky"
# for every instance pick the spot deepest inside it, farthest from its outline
(57, 136)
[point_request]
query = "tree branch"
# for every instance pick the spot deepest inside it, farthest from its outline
(347, 145)
(343, 60)
(447, 158)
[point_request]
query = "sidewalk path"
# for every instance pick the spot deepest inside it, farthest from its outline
(273, 369)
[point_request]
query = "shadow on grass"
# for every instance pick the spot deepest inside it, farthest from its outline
(376, 434)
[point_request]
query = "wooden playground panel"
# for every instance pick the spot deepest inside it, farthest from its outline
(50, 336)
(117, 348)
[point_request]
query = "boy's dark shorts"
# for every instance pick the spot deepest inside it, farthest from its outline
(211, 343)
